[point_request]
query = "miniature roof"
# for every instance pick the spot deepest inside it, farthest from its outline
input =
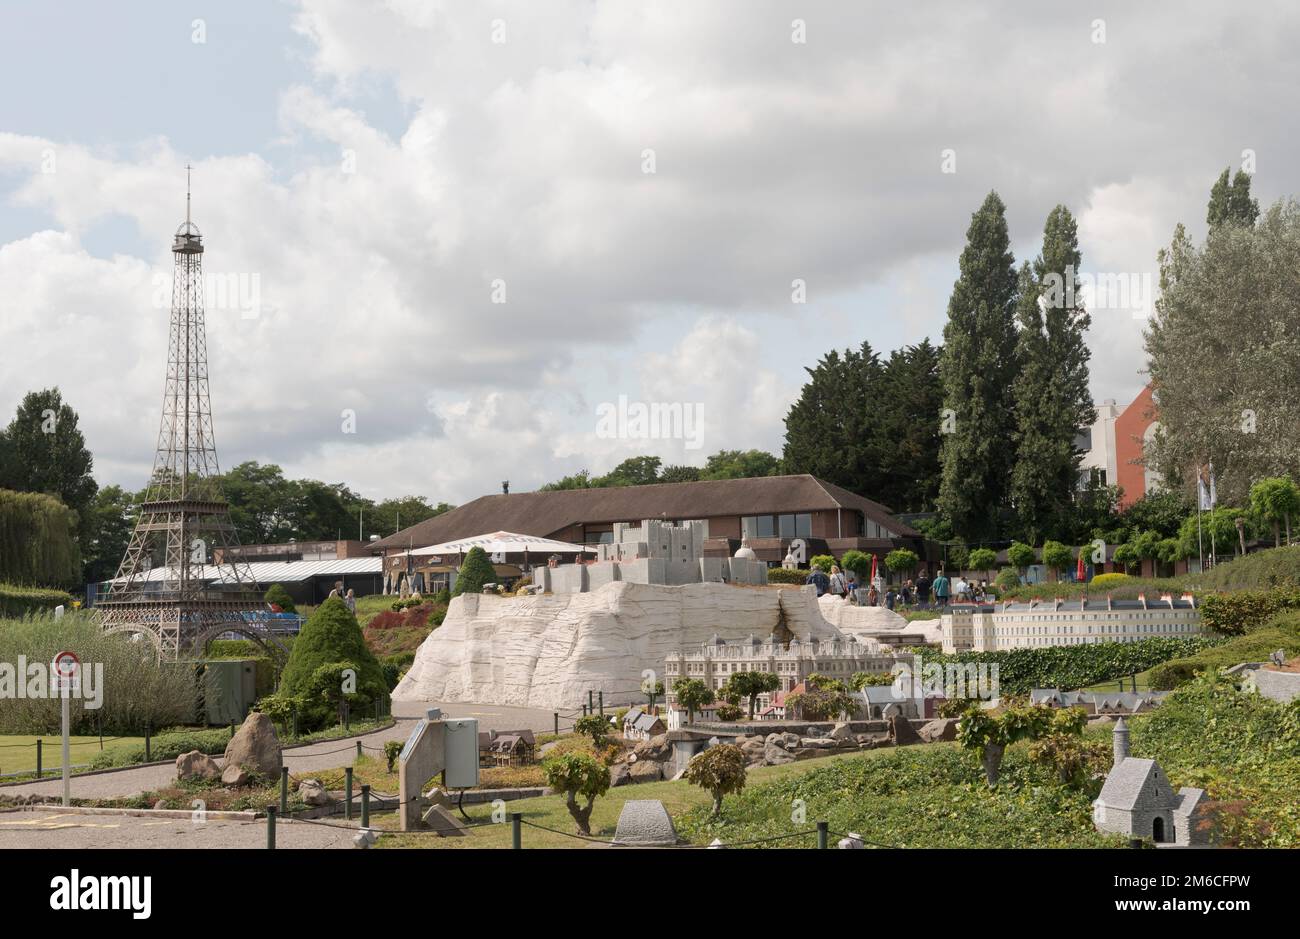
(1188, 799)
(1126, 783)
(501, 542)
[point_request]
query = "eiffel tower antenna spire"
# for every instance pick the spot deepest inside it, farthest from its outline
(183, 581)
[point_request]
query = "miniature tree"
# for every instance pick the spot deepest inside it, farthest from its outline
(392, 750)
(692, 694)
(720, 769)
(824, 698)
(278, 596)
(823, 562)
(1057, 556)
(752, 684)
(983, 559)
(329, 637)
(901, 561)
(858, 562)
(594, 726)
(860, 680)
(1021, 556)
(475, 571)
(1274, 500)
(989, 734)
(578, 775)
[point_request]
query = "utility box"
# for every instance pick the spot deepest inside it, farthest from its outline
(461, 752)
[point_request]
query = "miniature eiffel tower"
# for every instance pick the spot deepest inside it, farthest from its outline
(167, 587)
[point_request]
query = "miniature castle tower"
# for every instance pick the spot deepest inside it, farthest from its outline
(1119, 742)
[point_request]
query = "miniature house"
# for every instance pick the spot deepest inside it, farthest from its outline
(1138, 800)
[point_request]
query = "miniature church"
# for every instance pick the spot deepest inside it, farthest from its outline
(1138, 800)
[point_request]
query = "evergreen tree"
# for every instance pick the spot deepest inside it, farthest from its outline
(44, 451)
(903, 416)
(977, 366)
(1051, 395)
(829, 430)
(475, 571)
(1231, 203)
(331, 635)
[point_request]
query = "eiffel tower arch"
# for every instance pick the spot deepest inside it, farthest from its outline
(167, 588)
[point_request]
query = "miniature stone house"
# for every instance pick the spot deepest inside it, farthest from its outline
(1138, 800)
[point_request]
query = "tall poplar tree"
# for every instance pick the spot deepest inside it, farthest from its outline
(1230, 202)
(977, 367)
(1052, 399)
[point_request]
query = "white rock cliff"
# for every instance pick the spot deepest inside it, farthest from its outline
(548, 651)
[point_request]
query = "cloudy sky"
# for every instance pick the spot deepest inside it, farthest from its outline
(640, 184)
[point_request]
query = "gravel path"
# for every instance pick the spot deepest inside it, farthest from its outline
(50, 828)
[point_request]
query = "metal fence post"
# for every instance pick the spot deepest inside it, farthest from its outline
(284, 790)
(270, 827)
(39, 746)
(358, 748)
(823, 831)
(602, 704)
(516, 830)
(365, 805)
(556, 716)
(591, 704)
(148, 735)
(347, 777)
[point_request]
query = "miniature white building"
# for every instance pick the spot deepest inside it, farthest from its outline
(1040, 623)
(1138, 800)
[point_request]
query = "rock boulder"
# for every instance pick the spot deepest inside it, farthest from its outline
(254, 748)
(196, 765)
(313, 792)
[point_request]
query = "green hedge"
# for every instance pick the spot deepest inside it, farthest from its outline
(165, 746)
(1245, 610)
(1281, 632)
(1070, 667)
(18, 601)
(784, 575)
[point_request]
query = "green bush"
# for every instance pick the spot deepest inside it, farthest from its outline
(785, 575)
(858, 562)
(1281, 632)
(280, 597)
(1240, 612)
(19, 601)
(475, 571)
(1020, 670)
(1007, 580)
(331, 637)
(38, 540)
(823, 561)
(164, 746)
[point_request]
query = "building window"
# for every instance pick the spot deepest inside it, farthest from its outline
(793, 525)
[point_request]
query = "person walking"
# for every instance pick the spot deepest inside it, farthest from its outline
(351, 601)
(890, 598)
(817, 577)
(941, 587)
(839, 584)
(923, 592)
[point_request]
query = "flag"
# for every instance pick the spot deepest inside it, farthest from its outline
(873, 569)
(1082, 571)
(1206, 495)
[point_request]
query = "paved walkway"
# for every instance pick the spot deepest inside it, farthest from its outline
(317, 756)
(50, 828)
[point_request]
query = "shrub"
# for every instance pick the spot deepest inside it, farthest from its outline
(595, 726)
(577, 774)
(823, 561)
(165, 746)
(331, 637)
(983, 559)
(1007, 580)
(1240, 612)
(392, 750)
(720, 770)
(1020, 555)
(901, 561)
(1057, 556)
(730, 712)
(786, 575)
(277, 595)
(858, 562)
(1106, 581)
(989, 734)
(475, 571)
(19, 601)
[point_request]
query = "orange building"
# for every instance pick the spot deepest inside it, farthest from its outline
(1133, 428)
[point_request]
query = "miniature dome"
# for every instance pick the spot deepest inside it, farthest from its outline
(745, 551)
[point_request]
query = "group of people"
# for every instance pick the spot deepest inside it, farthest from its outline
(945, 590)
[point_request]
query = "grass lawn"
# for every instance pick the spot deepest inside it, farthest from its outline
(18, 751)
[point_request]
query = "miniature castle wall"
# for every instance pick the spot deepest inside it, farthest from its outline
(656, 552)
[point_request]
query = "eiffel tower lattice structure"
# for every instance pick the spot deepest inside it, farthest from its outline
(166, 587)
